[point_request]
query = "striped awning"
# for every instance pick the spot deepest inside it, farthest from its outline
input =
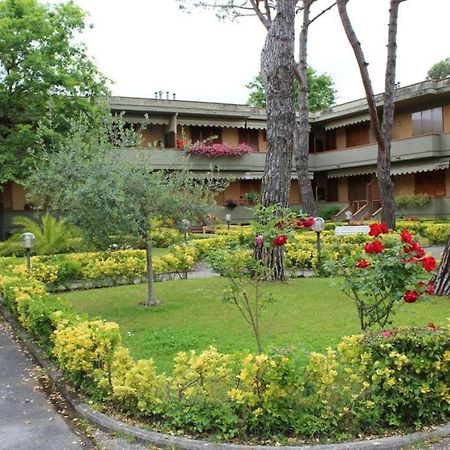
(348, 121)
(396, 168)
(222, 123)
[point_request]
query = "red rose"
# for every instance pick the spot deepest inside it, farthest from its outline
(308, 223)
(362, 264)
(280, 240)
(432, 326)
(386, 333)
(420, 252)
(428, 263)
(280, 224)
(374, 247)
(406, 237)
(411, 296)
(378, 228)
(430, 289)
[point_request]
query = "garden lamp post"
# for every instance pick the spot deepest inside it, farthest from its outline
(27, 243)
(186, 226)
(318, 226)
(228, 220)
(348, 216)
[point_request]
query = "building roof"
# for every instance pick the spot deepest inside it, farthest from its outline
(159, 111)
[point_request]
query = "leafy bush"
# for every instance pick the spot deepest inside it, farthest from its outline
(329, 211)
(412, 200)
(389, 271)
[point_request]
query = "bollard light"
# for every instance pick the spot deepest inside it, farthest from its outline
(348, 216)
(318, 226)
(27, 243)
(228, 220)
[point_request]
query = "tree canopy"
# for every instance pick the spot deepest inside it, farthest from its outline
(321, 91)
(100, 182)
(440, 70)
(46, 77)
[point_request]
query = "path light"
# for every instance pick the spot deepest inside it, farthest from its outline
(348, 216)
(318, 226)
(27, 243)
(186, 224)
(228, 220)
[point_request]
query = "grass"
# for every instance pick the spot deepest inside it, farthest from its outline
(309, 313)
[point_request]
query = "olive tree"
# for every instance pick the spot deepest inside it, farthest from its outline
(109, 189)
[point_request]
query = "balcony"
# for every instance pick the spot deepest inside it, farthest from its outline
(429, 146)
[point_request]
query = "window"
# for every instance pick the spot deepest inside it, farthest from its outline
(249, 137)
(427, 122)
(330, 140)
(430, 183)
(332, 190)
(206, 134)
(357, 134)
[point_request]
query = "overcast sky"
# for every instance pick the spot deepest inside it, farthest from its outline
(145, 46)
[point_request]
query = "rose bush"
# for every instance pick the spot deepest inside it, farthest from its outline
(392, 269)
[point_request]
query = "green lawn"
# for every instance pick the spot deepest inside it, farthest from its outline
(310, 313)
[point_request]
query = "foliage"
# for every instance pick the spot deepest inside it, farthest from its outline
(52, 236)
(395, 379)
(86, 350)
(252, 197)
(412, 200)
(46, 77)
(219, 150)
(391, 270)
(96, 175)
(440, 70)
(329, 211)
(322, 94)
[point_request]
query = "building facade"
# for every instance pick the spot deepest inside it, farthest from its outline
(343, 151)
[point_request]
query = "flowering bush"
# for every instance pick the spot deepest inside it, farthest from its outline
(380, 381)
(391, 270)
(218, 150)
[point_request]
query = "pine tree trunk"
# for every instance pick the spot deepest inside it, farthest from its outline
(301, 144)
(277, 63)
(441, 281)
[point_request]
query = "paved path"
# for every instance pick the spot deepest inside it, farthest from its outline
(28, 419)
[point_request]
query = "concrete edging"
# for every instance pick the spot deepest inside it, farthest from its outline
(162, 440)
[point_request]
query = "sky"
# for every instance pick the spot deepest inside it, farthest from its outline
(145, 46)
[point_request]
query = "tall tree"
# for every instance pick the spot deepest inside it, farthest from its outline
(110, 190)
(440, 70)
(321, 91)
(46, 76)
(382, 127)
(278, 165)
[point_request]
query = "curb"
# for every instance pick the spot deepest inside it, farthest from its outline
(162, 440)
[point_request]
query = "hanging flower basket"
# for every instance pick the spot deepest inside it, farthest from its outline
(219, 150)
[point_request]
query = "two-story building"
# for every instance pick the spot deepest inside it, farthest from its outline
(343, 152)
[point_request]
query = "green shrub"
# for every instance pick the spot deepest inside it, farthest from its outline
(412, 200)
(409, 376)
(329, 211)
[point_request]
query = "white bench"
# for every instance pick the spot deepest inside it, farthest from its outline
(351, 229)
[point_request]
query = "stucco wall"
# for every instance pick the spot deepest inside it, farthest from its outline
(15, 198)
(343, 189)
(446, 117)
(230, 136)
(341, 140)
(294, 195)
(152, 134)
(262, 144)
(404, 185)
(402, 126)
